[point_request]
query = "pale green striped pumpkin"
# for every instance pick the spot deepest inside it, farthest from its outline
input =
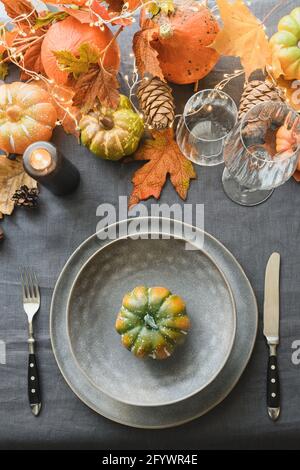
(152, 321)
(112, 134)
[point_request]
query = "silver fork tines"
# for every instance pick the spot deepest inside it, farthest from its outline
(30, 291)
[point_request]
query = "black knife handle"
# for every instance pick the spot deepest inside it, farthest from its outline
(34, 393)
(273, 388)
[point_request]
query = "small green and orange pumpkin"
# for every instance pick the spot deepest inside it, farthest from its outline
(27, 115)
(152, 321)
(286, 45)
(112, 133)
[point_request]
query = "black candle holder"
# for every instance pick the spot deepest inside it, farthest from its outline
(47, 165)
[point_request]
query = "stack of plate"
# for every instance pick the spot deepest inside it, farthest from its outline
(200, 374)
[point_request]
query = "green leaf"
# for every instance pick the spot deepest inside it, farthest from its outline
(50, 18)
(3, 68)
(69, 62)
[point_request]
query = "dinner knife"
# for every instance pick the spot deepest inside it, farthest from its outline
(271, 332)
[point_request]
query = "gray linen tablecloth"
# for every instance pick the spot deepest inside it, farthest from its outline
(46, 237)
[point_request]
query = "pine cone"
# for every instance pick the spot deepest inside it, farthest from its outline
(26, 197)
(256, 92)
(156, 102)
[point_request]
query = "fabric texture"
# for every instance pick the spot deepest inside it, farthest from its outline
(44, 238)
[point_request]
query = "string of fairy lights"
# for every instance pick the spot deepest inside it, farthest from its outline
(24, 40)
(16, 52)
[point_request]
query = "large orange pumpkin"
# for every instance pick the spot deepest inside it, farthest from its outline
(182, 43)
(26, 116)
(69, 34)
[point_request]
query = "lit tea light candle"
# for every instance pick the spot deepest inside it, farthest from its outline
(44, 163)
(40, 159)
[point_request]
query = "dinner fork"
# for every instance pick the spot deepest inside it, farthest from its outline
(31, 303)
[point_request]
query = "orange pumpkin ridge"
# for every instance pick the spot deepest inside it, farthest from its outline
(14, 112)
(183, 43)
(27, 115)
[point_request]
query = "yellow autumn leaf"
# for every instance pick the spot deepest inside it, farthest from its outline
(88, 53)
(243, 35)
(12, 177)
(163, 6)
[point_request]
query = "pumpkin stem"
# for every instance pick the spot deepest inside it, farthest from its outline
(149, 320)
(107, 122)
(165, 30)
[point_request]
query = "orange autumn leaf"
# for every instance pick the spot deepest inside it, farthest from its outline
(70, 121)
(97, 83)
(15, 9)
(111, 10)
(78, 3)
(243, 36)
(87, 16)
(7, 38)
(145, 54)
(134, 4)
(68, 114)
(117, 5)
(32, 60)
(165, 158)
(83, 16)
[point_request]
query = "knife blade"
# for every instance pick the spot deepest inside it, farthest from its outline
(271, 332)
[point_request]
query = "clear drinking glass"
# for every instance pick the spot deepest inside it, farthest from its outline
(252, 167)
(208, 118)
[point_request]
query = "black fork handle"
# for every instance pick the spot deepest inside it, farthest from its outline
(34, 393)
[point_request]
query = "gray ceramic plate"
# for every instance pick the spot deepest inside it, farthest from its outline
(95, 300)
(165, 416)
